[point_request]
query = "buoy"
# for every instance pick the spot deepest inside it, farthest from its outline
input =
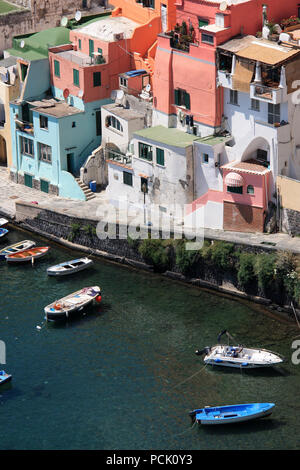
(98, 298)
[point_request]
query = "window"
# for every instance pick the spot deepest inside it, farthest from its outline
(112, 121)
(234, 97)
(43, 122)
(76, 77)
(145, 151)
(123, 81)
(273, 113)
(127, 178)
(27, 147)
(202, 22)
(235, 189)
(79, 44)
(205, 157)
(97, 78)
(262, 155)
(24, 68)
(160, 156)
(207, 38)
(254, 105)
(250, 189)
(73, 124)
(56, 68)
(182, 98)
(45, 153)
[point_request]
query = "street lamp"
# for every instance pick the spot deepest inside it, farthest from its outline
(144, 189)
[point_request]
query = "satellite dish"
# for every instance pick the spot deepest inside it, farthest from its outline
(113, 95)
(22, 44)
(223, 6)
(66, 93)
(80, 93)
(78, 15)
(64, 21)
(120, 94)
(148, 87)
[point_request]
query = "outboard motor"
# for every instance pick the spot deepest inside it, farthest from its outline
(200, 352)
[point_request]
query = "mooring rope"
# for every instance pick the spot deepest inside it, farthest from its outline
(198, 372)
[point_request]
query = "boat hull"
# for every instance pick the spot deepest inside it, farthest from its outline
(63, 308)
(241, 358)
(16, 248)
(58, 271)
(232, 414)
(4, 377)
(27, 255)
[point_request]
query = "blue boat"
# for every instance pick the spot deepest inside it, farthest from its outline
(3, 232)
(231, 413)
(4, 377)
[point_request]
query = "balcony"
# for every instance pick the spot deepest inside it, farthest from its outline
(118, 157)
(24, 126)
(274, 95)
(225, 79)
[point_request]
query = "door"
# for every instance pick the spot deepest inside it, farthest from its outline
(44, 186)
(28, 180)
(98, 122)
(71, 163)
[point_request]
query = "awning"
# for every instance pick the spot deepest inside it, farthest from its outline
(234, 180)
(243, 76)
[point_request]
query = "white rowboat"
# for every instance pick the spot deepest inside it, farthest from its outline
(69, 267)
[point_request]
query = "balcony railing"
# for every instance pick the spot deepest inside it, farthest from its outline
(24, 126)
(266, 93)
(118, 156)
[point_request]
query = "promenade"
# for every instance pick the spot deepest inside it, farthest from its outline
(99, 206)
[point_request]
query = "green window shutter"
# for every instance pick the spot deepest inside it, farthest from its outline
(97, 78)
(202, 22)
(76, 77)
(160, 156)
(187, 100)
(91, 48)
(176, 97)
(79, 44)
(56, 68)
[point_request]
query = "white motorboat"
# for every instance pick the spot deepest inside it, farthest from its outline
(69, 267)
(239, 356)
(63, 308)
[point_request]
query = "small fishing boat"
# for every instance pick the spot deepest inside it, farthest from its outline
(69, 267)
(3, 232)
(63, 308)
(3, 222)
(238, 356)
(231, 413)
(16, 248)
(27, 255)
(4, 377)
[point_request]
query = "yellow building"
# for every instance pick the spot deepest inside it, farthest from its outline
(9, 90)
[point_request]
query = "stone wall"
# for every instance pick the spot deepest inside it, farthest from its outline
(290, 221)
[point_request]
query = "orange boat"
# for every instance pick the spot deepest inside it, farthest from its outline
(28, 255)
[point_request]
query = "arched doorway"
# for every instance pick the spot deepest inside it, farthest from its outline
(258, 149)
(3, 152)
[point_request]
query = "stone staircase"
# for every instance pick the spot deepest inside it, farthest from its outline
(87, 192)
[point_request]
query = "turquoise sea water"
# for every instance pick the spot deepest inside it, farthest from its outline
(125, 376)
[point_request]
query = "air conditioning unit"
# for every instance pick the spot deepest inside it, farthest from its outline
(118, 36)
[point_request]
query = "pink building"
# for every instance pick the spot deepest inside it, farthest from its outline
(185, 64)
